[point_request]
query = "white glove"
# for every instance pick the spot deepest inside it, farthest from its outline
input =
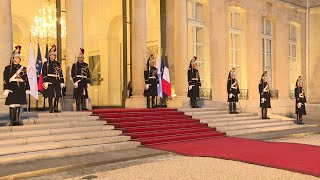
(75, 85)
(45, 85)
(88, 85)
(147, 86)
(305, 105)
(190, 87)
(299, 105)
(263, 100)
(230, 95)
(62, 85)
(6, 92)
(27, 91)
(158, 85)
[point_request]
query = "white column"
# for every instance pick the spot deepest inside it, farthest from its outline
(74, 25)
(5, 37)
(139, 45)
(180, 56)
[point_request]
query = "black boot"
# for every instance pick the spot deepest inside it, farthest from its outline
(153, 101)
(51, 109)
(266, 113)
(262, 113)
(12, 116)
(192, 101)
(148, 102)
(196, 103)
(83, 103)
(298, 119)
(77, 104)
(234, 108)
(18, 121)
(230, 108)
(56, 108)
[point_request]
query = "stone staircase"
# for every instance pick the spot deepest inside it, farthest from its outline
(58, 135)
(242, 123)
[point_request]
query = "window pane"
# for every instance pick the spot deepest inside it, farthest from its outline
(200, 12)
(237, 41)
(262, 26)
(268, 60)
(190, 9)
(200, 35)
(268, 27)
(294, 50)
(237, 54)
(237, 20)
(268, 45)
(292, 32)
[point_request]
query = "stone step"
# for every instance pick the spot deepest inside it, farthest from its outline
(56, 138)
(52, 126)
(74, 151)
(62, 114)
(206, 113)
(240, 122)
(264, 129)
(48, 120)
(200, 109)
(60, 145)
(229, 119)
(46, 132)
(253, 125)
(201, 117)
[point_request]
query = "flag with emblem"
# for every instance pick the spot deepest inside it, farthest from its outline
(39, 68)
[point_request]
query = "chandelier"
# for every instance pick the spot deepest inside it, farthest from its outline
(44, 26)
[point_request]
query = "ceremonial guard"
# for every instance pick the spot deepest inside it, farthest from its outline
(301, 100)
(53, 81)
(233, 91)
(151, 82)
(81, 78)
(194, 82)
(16, 87)
(265, 96)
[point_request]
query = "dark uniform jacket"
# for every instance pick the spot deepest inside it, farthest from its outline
(233, 88)
(150, 77)
(52, 73)
(80, 73)
(15, 79)
(300, 101)
(194, 81)
(265, 95)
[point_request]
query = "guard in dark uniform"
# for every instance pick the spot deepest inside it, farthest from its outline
(81, 78)
(151, 82)
(301, 100)
(53, 80)
(194, 83)
(265, 96)
(16, 87)
(233, 92)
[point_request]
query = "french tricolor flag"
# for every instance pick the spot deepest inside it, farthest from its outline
(166, 85)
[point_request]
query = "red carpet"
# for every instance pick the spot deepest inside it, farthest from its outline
(156, 126)
(170, 130)
(293, 157)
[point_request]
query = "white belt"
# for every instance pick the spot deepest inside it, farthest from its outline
(266, 91)
(196, 79)
(152, 77)
(53, 75)
(16, 80)
(79, 76)
(234, 87)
